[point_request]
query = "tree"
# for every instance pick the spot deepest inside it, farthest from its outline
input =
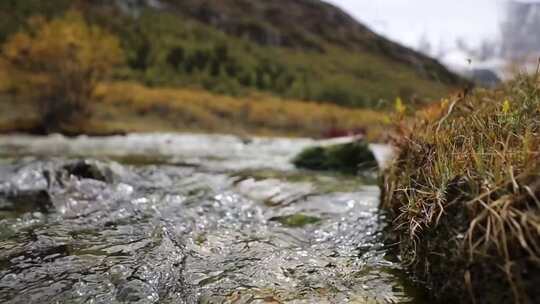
(58, 64)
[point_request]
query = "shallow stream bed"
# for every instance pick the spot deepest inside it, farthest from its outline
(187, 219)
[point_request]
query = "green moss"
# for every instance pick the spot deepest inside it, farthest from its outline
(346, 158)
(296, 220)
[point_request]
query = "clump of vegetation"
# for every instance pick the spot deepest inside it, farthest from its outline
(465, 195)
(57, 64)
(347, 158)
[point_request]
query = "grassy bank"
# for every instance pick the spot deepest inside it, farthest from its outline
(464, 193)
(123, 107)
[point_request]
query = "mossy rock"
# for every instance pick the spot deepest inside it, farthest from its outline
(345, 158)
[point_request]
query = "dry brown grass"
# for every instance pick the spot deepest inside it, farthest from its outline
(258, 113)
(124, 107)
(469, 172)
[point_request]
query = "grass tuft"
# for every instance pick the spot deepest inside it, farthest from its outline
(465, 194)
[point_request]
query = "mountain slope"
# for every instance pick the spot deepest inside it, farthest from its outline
(304, 49)
(304, 24)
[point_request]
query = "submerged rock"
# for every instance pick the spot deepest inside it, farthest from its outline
(27, 202)
(347, 158)
(59, 186)
(296, 220)
(88, 170)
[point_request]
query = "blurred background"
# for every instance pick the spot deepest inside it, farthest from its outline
(284, 67)
(497, 35)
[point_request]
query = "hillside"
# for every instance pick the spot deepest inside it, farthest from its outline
(302, 49)
(304, 24)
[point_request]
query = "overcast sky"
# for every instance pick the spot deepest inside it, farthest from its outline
(440, 21)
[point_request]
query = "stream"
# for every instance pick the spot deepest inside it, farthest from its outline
(163, 218)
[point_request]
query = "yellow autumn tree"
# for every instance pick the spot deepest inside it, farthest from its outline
(58, 63)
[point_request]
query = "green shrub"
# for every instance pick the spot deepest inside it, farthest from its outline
(58, 64)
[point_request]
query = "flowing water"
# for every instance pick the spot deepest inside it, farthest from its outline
(187, 219)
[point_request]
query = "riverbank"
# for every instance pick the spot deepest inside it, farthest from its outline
(464, 195)
(127, 107)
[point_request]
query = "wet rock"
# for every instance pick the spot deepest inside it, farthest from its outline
(72, 188)
(347, 158)
(84, 169)
(27, 202)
